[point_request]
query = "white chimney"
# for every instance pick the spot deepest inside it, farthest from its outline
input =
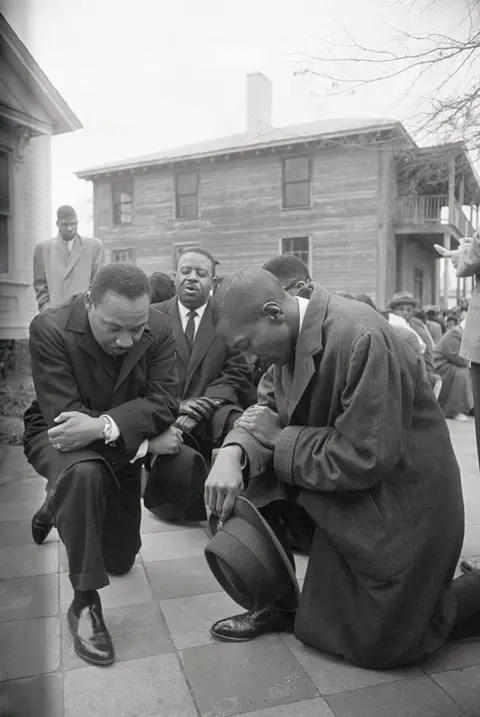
(259, 103)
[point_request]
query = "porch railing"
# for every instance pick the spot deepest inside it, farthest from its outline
(432, 209)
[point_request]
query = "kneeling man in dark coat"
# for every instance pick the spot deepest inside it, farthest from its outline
(348, 449)
(103, 367)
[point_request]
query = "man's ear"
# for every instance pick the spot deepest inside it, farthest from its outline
(88, 301)
(274, 312)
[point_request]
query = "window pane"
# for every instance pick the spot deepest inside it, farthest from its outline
(3, 245)
(187, 182)
(297, 169)
(122, 255)
(4, 182)
(187, 206)
(122, 191)
(297, 246)
(297, 195)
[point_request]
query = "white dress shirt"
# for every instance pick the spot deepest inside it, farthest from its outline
(302, 305)
(184, 311)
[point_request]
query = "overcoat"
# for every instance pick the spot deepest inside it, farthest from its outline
(71, 372)
(212, 369)
(59, 274)
(469, 265)
(366, 451)
(456, 395)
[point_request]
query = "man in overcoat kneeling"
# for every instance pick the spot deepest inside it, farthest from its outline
(103, 367)
(348, 449)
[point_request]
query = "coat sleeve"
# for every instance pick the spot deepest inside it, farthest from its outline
(259, 458)
(367, 440)
(55, 384)
(40, 280)
(157, 406)
(234, 381)
(469, 257)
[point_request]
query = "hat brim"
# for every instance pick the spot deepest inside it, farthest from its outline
(246, 511)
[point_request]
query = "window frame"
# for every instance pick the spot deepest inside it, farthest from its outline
(123, 261)
(176, 193)
(7, 213)
(183, 246)
(309, 263)
(116, 218)
(296, 181)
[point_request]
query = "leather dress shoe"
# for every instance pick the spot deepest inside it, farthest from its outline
(470, 566)
(42, 522)
(91, 639)
(241, 628)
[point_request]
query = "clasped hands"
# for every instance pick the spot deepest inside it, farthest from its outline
(454, 254)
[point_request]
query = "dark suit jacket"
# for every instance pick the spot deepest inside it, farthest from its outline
(71, 372)
(212, 369)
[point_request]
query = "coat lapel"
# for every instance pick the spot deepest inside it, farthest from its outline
(73, 255)
(204, 338)
(61, 254)
(180, 341)
(78, 322)
(309, 343)
(133, 357)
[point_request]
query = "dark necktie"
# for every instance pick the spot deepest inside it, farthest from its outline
(190, 329)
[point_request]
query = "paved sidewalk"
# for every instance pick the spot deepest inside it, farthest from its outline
(159, 617)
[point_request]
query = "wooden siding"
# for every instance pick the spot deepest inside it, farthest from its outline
(242, 221)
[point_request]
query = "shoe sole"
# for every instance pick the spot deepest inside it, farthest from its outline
(90, 660)
(225, 638)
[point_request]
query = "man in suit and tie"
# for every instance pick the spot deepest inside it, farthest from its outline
(103, 366)
(65, 265)
(214, 383)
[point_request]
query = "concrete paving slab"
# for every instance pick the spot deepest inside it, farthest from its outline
(332, 675)
(306, 708)
(136, 630)
(150, 687)
(40, 696)
(173, 544)
(17, 532)
(29, 647)
(189, 619)
(227, 678)
(129, 589)
(181, 578)
(419, 697)
(18, 510)
(28, 597)
(463, 687)
(20, 561)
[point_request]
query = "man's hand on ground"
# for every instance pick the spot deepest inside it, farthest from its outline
(224, 482)
(75, 430)
(167, 443)
(263, 423)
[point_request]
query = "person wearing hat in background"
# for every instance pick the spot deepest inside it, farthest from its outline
(348, 439)
(65, 265)
(456, 395)
(466, 260)
(433, 322)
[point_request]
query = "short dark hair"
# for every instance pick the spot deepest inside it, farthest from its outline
(203, 252)
(125, 280)
(288, 269)
(162, 287)
(66, 212)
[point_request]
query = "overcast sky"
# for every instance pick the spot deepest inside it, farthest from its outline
(150, 74)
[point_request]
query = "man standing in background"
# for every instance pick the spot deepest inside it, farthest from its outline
(65, 265)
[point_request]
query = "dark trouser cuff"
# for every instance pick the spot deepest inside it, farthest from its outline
(89, 581)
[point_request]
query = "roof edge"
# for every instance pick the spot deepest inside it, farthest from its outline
(140, 162)
(64, 119)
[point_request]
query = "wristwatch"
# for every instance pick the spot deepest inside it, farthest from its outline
(107, 429)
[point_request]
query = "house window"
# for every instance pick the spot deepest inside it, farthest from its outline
(186, 195)
(4, 211)
(123, 255)
(299, 247)
(296, 182)
(122, 202)
(418, 284)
